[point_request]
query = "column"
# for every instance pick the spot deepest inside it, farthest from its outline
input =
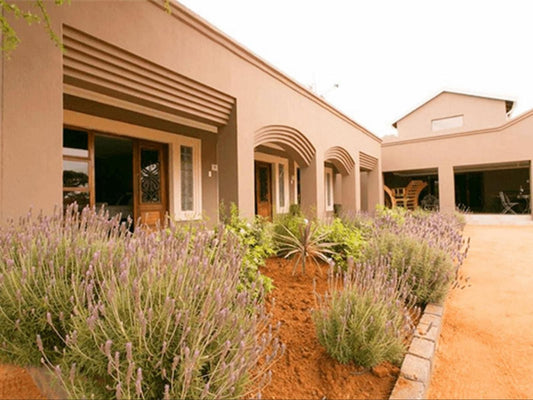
(312, 187)
(349, 192)
(375, 188)
(228, 165)
(446, 188)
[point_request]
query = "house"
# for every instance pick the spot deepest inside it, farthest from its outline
(148, 111)
(468, 150)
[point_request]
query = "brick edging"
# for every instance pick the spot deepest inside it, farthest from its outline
(415, 373)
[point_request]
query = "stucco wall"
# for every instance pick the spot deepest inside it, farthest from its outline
(477, 112)
(31, 125)
(33, 89)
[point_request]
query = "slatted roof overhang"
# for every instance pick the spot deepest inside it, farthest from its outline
(367, 162)
(100, 71)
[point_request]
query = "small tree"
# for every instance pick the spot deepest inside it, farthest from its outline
(33, 12)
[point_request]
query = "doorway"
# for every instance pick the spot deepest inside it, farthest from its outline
(126, 176)
(263, 189)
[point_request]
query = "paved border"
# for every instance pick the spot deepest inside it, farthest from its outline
(415, 373)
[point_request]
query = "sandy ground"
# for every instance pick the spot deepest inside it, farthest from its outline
(486, 345)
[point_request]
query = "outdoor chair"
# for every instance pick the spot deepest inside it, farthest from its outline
(412, 192)
(507, 204)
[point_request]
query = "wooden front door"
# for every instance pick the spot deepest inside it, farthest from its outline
(150, 182)
(263, 189)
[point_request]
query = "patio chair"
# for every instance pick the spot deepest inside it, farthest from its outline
(412, 191)
(389, 196)
(507, 204)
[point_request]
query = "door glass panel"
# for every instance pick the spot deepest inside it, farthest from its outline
(150, 176)
(75, 173)
(187, 179)
(69, 197)
(263, 184)
(281, 181)
(75, 143)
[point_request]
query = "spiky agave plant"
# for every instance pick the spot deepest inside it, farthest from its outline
(308, 244)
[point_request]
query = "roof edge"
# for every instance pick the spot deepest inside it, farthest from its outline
(189, 17)
(509, 104)
(508, 124)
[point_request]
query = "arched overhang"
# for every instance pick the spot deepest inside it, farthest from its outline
(291, 140)
(341, 159)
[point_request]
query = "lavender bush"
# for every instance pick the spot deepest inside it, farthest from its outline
(428, 246)
(121, 315)
(366, 315)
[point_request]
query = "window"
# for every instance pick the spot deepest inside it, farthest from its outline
(297, 185)
(78, 184)
(446, 123)
(188, 189)
(281, 185)
(328, 187)
(187, 179)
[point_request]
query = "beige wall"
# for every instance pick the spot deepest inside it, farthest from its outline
(478, 113)
(33, 113)
(31, 125)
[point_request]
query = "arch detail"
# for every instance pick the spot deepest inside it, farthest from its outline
(340, 157)
(292, 140)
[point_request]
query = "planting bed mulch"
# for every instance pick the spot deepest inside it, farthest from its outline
(306, 371)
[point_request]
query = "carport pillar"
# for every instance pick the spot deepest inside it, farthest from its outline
(446, 188)
(312, 188)
(349, 191)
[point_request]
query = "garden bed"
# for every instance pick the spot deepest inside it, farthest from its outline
(306, 370)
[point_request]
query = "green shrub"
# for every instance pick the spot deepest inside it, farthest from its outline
(347, 241)
(256, 239)
(131, 315)
(365, 316)
(429, 269)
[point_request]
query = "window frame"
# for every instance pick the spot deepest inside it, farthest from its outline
(447, 123)
(90, 162)
(196, 145)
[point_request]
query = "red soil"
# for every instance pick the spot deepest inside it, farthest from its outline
(306, 371)
(16, 383)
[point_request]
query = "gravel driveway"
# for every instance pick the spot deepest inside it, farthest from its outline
(486, 345)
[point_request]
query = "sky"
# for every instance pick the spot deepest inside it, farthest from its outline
(387, 56)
